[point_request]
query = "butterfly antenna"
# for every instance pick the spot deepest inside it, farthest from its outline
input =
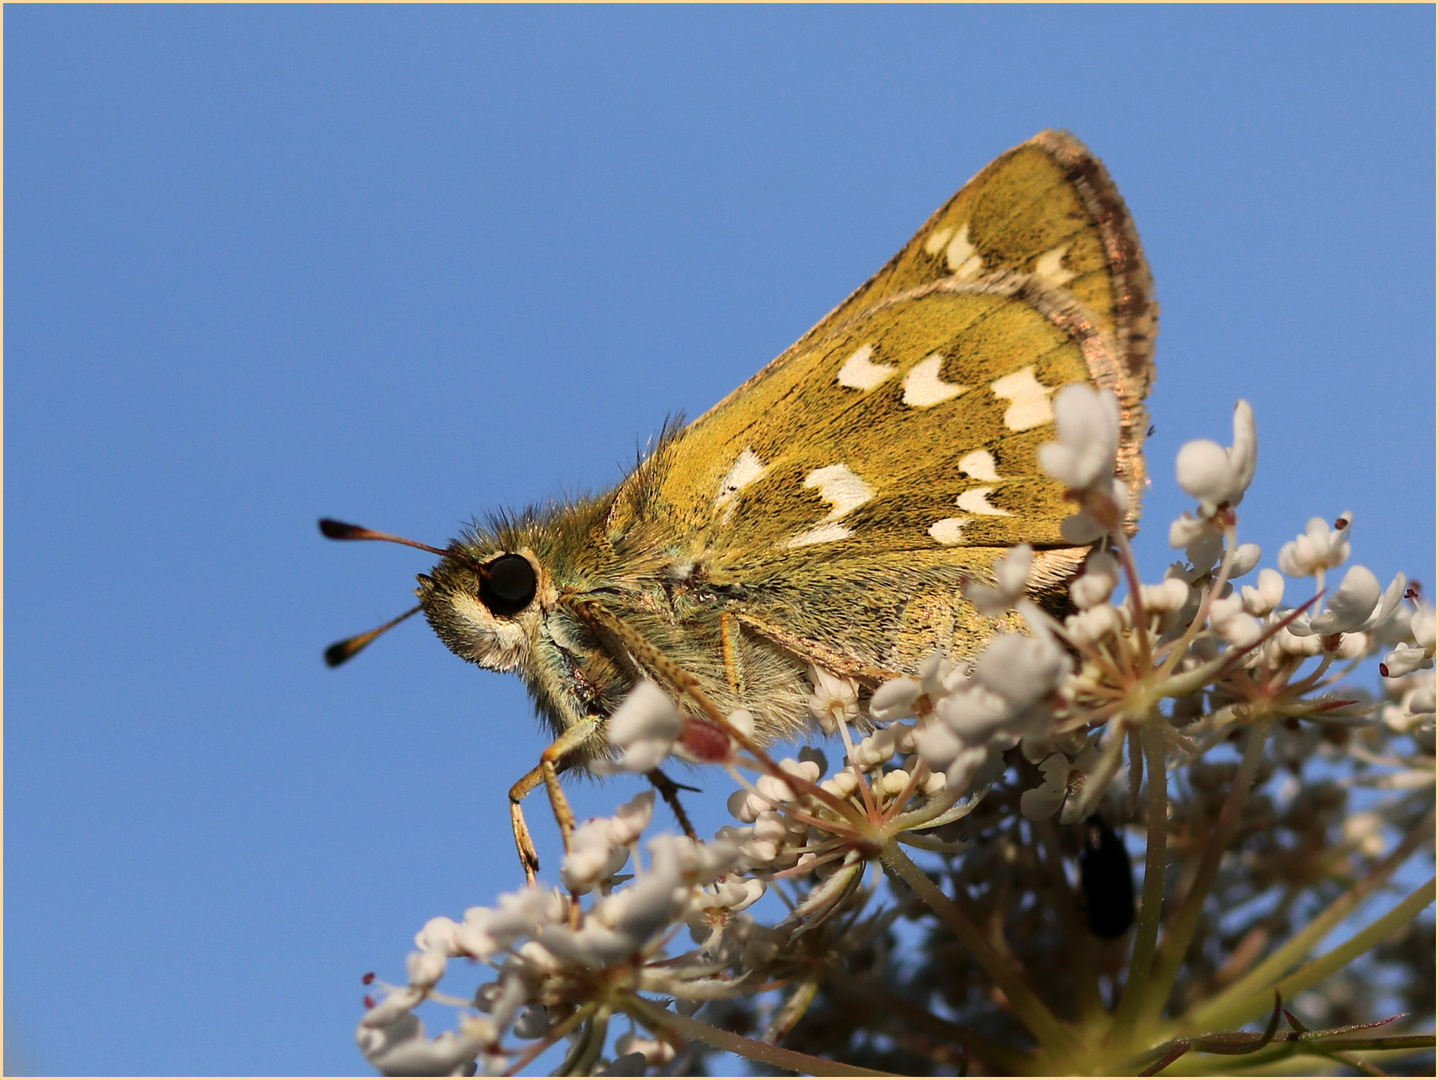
(341, 651)
(340, 530)
(343, 530)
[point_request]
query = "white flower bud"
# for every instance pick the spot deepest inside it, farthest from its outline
(835, 700)
(1087, 422)
(935, 674)
(893, 782)
(425, 969)
(1318, 548)
(874, 748)
(1093, 625)
(742, 720)
(631, 819)
(895, 699)
(771, 826)
(438, 935)
(1011, 571)
(738, 805)
(1246, 558)
(1217, 476)
(1358, 604)
(593, 855)
(645, 727)
(842, 784)
(773, 789)
(1264, 597)
(938, 745)
(1294, 644)
(1101, 575)
(1229, 620)
(1186, 529)
(1169, 595)
(1020, 669)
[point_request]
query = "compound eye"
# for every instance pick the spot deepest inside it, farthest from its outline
(508, 585)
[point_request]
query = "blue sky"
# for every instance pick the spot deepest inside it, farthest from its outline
(401, 264)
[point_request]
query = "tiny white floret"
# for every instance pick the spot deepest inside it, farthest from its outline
(1216, 475)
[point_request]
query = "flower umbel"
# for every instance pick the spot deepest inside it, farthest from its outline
(1204, 731)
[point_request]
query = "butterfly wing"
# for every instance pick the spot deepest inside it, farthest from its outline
(1046, 208)
(841, 494)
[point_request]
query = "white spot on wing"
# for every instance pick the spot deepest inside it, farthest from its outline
(745, 471)
(976, 501)
(1049, 268)
(859, 373)
(937, 239)
(948, 531)
(961, 257)
(979, 464)
(1029, 399)
(923, 387)
(841, 486)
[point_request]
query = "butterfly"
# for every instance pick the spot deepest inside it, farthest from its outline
(826, 514)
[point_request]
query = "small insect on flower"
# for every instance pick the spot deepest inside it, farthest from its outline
(826, 514)
(1106, 879)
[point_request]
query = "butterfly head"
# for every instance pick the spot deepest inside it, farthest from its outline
(484, 605)
(482, 600)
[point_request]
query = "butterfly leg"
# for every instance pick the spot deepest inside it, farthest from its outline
(547, 772)
(670, 793)
(524, 843)
(731, 645)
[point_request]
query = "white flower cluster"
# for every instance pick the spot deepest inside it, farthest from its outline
(1035, 727)
(555, 958)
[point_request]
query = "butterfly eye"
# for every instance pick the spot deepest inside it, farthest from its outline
(508, 585)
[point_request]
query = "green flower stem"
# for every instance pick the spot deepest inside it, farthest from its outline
(1181, 932)
(587, 1048)
(658, 1019)
(1151, 904)
(1232, 1012)
(1196, 624)
(1294, 1054)
(1053, 1035)
(1223, 1009)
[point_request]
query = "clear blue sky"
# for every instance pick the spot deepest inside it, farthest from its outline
(397, 265)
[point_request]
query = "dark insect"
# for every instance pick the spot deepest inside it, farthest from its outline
(1106, 880)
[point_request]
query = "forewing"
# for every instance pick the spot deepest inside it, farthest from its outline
(915, 427)
(1046, 211)
(1046, 208)
(842, 493)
